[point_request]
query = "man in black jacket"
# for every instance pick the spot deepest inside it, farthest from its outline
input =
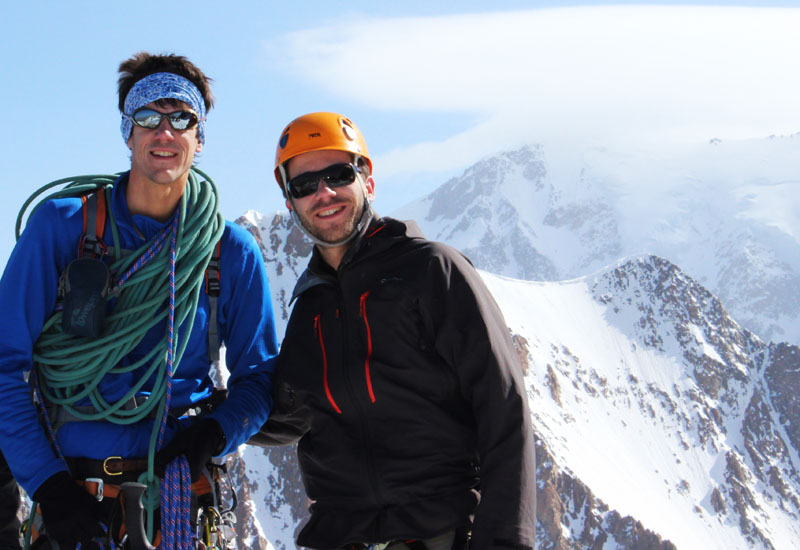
(399, 364)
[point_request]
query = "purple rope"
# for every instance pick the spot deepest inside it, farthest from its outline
(176, 496)
(168, 512)
(150, 253)
(176, 491)
(186, 505)
(170, 331)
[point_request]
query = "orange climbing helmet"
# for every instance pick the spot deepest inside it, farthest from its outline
(317, 132)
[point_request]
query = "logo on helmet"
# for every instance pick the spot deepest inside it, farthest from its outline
(348, 131)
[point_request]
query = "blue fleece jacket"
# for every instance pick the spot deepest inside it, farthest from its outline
(28, 292)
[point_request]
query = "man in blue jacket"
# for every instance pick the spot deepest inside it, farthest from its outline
(155, 212)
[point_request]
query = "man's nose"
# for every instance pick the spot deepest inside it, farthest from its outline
(164, 128)
(323, 189)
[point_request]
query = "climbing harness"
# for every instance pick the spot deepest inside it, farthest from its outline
(216, 520)
(158, 283)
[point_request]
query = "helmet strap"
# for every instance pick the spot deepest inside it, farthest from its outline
(284, 178)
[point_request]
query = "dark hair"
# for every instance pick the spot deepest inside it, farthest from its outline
(142, 64)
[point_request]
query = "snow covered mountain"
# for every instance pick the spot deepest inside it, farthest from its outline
(660, 422)
(644, 390)
(727, 213)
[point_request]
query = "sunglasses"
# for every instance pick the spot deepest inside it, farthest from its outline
(335, 175)
(179, 120)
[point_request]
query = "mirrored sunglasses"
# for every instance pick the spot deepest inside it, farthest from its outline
(335, 175)
(179, 120)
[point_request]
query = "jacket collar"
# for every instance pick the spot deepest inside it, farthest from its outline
(382, 233)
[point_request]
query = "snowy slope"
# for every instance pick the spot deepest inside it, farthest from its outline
(644, 389)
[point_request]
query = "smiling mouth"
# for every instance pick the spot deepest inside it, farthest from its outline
(163, 154)
(330, 212)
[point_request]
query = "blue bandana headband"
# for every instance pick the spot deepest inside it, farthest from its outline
(163, 86)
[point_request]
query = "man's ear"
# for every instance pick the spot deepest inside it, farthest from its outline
(289, 204)
(370, 187)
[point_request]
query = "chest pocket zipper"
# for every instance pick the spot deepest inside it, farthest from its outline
(318, 330)
(369, 345)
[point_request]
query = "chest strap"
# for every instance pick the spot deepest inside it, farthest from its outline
(94, 223)
(212, 290)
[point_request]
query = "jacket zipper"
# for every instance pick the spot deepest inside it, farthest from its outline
(369, 345)
(318, 330)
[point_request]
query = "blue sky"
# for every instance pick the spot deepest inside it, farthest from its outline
(434, 86)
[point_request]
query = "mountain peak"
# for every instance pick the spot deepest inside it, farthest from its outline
(479, 190)
(662, 305)
(725, 214)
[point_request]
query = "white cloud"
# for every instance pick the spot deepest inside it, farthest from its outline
(602, 74)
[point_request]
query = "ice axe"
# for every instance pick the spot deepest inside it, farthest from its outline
(134, 516)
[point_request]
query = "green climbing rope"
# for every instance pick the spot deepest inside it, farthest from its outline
(71, 368)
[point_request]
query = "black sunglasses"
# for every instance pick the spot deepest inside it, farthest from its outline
(179, 120)
(335, 175)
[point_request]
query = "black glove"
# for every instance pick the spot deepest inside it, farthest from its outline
(199, 443)
(70, 514)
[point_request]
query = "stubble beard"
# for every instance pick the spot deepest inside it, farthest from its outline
(333, 234)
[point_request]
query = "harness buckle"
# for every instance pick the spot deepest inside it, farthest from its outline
(105, 466)
(99, 482)
(92, 245)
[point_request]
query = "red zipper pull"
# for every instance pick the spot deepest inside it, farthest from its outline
(369, 345)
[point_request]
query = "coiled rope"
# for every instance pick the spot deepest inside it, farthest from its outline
(155, 283)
